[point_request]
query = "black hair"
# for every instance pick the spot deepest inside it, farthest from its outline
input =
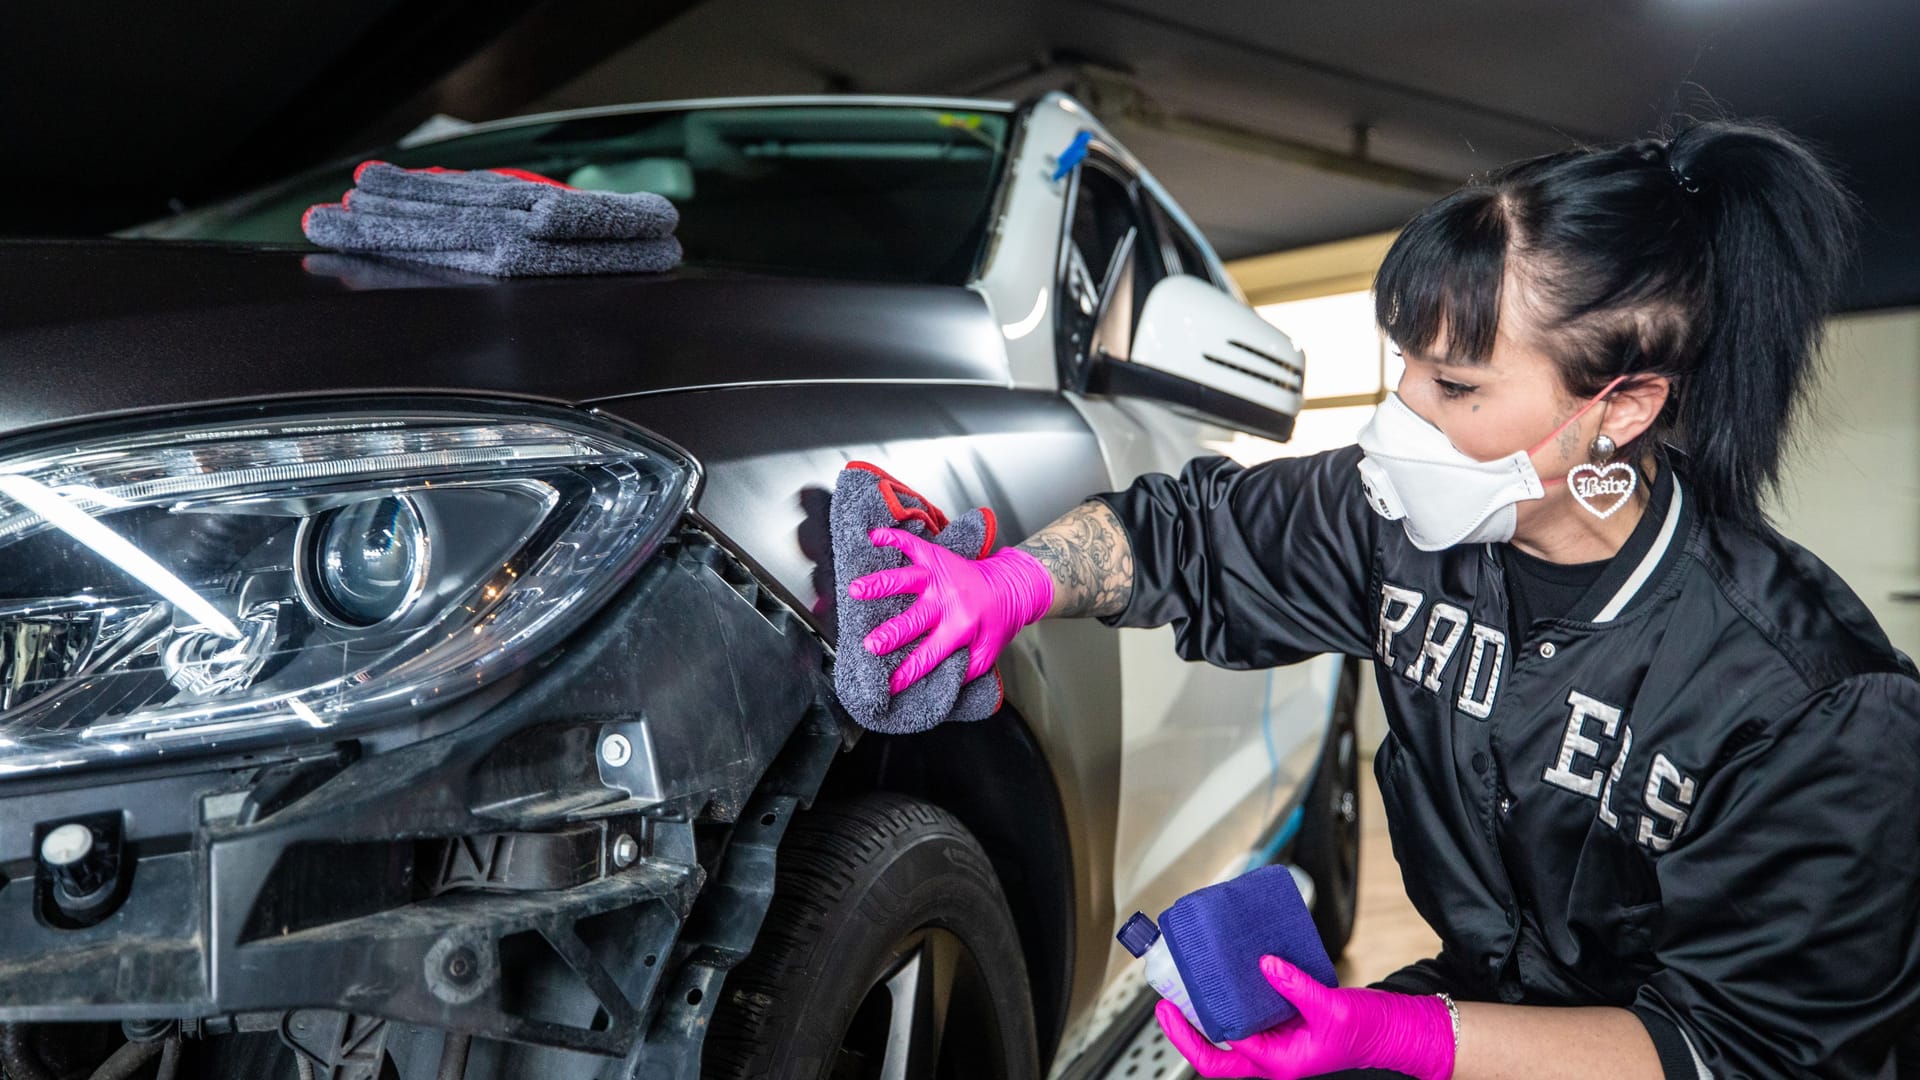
(1710, 257)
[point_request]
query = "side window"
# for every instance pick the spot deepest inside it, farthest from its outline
(1112, 259)
(1182, 249)
(1102, 218)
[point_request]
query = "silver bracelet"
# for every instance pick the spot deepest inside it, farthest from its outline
(1453, 1014)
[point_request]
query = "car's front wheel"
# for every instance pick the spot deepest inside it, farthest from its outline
(887, 951)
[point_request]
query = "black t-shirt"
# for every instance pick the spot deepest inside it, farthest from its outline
(1538, 589)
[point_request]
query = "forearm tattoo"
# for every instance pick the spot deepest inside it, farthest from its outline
(1090, 560)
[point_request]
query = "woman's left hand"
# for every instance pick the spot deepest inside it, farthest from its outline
(1336, 1029)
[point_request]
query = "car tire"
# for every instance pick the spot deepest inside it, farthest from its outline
(883, 906)
(1330, 824)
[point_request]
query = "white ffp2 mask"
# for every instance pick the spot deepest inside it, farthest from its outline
(1415, 475)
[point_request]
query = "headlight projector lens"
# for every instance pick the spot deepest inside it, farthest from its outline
(364, 564)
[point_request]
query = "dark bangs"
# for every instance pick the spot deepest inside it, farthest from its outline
(1443, 275)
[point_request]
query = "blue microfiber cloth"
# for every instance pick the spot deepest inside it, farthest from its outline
(503, 223)
(866, 498)
(1217, 936)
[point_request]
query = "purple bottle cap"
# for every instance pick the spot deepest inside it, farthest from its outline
(1138, 934)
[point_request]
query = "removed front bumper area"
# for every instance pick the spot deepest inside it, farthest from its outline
(565, 865)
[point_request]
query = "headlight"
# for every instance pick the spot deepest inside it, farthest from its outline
(249, 574)
(364, 564)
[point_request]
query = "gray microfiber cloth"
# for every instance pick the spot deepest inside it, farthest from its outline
(497, 224)
(533, 205)
(866, 498)
(535, 258)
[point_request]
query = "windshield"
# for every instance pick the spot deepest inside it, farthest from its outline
(879, 192)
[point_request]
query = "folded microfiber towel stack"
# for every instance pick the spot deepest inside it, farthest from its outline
(502, 222)
(865, 498)
(1217, 936)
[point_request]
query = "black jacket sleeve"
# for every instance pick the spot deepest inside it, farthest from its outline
(1790, 923)
(1254, 567)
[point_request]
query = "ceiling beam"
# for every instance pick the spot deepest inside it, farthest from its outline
(1115, 96)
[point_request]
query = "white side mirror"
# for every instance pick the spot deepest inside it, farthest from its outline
(1200, 348)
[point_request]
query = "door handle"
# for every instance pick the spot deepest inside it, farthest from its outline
(1909, 596)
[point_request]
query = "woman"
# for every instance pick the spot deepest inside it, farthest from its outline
(1650, 765)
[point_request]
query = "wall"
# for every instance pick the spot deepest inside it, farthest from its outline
(1852, 485)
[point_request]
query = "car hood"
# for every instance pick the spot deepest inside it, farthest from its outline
(105, 327)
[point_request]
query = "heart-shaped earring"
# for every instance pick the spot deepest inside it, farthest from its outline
(1603, 447)
(1590, 483)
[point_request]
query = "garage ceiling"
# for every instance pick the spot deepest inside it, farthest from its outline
(1276, 124)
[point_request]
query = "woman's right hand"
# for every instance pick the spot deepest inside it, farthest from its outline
(975, 604)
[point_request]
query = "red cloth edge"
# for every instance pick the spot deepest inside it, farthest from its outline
(890, 490)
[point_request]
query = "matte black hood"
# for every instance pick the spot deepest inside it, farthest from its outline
(112, 326)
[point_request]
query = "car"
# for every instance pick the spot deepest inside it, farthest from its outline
(412, 674)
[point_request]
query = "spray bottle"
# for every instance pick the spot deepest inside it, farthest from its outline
(1142, 938)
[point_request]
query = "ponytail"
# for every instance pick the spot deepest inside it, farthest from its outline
(1710, 258)
(1778, 230)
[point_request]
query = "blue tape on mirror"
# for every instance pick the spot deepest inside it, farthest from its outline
(1074, 154)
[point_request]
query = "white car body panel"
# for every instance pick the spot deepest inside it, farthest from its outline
(1208, 755)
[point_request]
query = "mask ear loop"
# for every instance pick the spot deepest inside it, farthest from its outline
(1571, 420)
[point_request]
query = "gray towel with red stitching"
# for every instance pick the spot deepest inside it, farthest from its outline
(505, 223)
(861, 678)
(542, 208)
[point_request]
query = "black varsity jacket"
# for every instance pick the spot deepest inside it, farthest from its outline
(1695, 799)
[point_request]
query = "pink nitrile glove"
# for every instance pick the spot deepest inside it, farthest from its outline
(973, 604)
(1337, 1029)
